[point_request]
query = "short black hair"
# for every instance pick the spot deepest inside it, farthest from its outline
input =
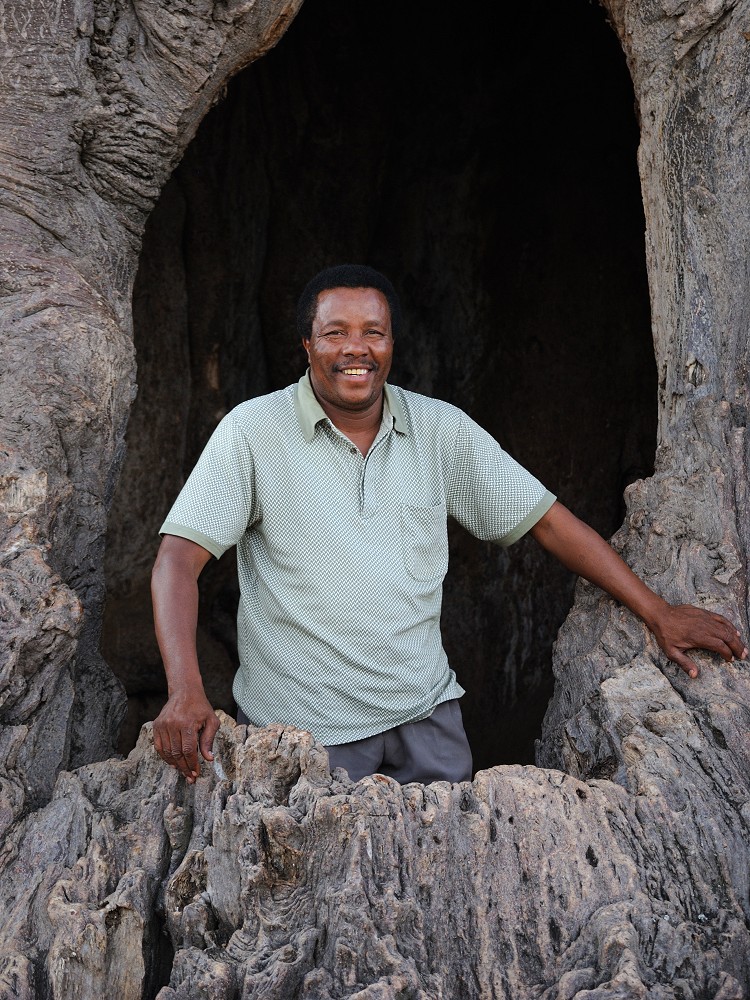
(344, 276)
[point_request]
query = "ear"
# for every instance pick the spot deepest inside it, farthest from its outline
(306, 345)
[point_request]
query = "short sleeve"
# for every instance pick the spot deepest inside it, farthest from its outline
(490, 494)
(217, 504)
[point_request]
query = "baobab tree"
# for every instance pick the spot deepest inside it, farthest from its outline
(615, 867)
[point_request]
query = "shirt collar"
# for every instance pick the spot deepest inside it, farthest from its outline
(310, 412)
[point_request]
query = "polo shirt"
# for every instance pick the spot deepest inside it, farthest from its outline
(341, 556)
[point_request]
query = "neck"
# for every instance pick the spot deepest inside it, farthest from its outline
(360, 426)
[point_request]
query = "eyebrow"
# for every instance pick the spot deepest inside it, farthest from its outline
(343, 322)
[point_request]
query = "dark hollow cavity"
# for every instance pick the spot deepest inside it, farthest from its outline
(489, 168)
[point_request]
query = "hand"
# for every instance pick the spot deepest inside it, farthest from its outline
(681, 627)
(185, 725)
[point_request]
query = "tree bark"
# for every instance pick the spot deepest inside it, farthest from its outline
(99, 102)
(618, 868)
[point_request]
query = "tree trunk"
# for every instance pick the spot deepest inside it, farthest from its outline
(100, 101)
(619, 867)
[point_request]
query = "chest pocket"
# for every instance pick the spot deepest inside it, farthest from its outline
(424, 539)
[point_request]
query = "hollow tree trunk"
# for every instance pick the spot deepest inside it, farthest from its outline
(627, 876)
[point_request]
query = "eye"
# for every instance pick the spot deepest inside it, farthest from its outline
(374, 333)
(333, 333)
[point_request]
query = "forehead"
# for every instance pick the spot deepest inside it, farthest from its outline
(352, 304)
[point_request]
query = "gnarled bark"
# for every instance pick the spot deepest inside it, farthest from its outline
(275, 879)
(620, 867)
(100, 101)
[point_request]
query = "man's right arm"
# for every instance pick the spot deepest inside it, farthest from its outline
(187, 723)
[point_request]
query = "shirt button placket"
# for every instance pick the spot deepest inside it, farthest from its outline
(366, 479)
(359, 464)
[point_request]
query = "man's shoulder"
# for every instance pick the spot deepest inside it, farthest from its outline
(419, 409)
(258, 410)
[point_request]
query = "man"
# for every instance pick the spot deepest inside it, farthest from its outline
(336, 492)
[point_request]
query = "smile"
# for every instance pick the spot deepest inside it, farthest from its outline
(354, 371)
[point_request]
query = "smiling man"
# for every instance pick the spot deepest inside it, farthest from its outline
(336, 492)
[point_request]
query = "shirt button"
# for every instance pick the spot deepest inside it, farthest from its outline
(353, 451)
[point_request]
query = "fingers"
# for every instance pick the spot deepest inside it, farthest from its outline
(731, 637)
(738, 647)
(686, 664)
(178, 741)
(206, 741)
(687, 627)
(713, 644)
(185, 753)
(178, 747)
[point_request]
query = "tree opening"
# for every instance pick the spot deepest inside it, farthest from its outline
(490, 171)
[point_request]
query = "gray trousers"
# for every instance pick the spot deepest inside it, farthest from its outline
(431, 749)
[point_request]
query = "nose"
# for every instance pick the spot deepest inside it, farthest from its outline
(355, 344)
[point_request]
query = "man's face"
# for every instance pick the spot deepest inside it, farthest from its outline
(350, 347)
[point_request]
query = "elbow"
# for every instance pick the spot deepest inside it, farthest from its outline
(544, 528)
(177, 559)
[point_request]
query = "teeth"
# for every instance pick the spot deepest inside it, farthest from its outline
(355, 371)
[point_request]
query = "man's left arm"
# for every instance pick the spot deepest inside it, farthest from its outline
(676, 628)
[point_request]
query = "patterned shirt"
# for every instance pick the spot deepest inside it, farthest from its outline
(341, 556)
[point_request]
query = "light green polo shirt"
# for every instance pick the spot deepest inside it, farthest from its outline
(341, 557)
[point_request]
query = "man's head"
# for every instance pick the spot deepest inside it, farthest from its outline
(345, 276)
(348, 337)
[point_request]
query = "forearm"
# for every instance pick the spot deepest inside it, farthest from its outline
(187, 722)
(579, 548)
(676, 629)
(175, 603)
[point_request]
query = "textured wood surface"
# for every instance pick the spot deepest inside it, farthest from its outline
(99, 101)
(272, 878)
(625, 877)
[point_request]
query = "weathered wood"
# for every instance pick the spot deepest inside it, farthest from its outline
(99, 101)
(275, 879)
(627, 876)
